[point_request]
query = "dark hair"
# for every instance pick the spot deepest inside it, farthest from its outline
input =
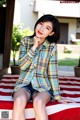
(55, 37)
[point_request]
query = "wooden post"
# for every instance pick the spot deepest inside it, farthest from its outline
(8, 32)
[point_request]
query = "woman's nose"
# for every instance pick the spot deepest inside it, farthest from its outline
(42, 28)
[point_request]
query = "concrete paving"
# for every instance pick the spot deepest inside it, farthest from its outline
(62, 70)
(66, 71)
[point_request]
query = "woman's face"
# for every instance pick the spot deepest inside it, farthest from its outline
(44, 29)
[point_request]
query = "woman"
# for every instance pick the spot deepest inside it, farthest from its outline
(38, 79)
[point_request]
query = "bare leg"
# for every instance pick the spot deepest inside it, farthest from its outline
(21, 98)
(39, 102)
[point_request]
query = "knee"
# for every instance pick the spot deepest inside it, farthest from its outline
(38, 102)
(18, 100)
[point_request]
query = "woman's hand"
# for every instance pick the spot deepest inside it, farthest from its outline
(36, 43)
(63, 100)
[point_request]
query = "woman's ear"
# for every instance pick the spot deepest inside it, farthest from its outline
(51, 33)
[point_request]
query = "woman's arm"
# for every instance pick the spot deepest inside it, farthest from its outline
(26, 54)
(53, 74)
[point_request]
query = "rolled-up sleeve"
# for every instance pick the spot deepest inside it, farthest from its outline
(25, 57)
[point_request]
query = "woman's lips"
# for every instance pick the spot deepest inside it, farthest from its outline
(39, 32)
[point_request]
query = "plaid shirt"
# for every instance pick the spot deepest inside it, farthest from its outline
(38, 68)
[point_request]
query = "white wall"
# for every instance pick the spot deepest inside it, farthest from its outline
(24, 13)
(57, 8)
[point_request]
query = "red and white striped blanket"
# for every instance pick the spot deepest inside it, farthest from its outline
(70, 89)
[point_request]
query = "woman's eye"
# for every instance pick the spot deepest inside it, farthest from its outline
(41, 23)
(48, 28)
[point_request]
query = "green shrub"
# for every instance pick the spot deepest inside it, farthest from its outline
(2, 2)
(17, 35)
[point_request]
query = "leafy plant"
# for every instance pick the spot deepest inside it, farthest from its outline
(17, 34)
(2, 2)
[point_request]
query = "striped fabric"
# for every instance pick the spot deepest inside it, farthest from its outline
(69, 87)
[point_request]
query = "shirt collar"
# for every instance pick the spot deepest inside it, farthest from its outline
(45, 44)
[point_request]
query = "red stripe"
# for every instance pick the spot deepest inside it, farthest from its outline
(70, 95)
(10, 82)
(69, 114)
(69, 78)
(70, 84)
(11, 77)
(9, 104)
(71, 89)
(7, 87)
(5, 93)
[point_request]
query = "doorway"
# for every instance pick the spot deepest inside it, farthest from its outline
(63, 33)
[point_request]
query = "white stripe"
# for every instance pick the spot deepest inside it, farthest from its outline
(6, 90)
(65, 86)
(29, 113)
(9, 80)
(69, 78)
(70, 92)
(72, 82)
(59, 107)
(6, 98)
(73, 99)
(11, 76)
